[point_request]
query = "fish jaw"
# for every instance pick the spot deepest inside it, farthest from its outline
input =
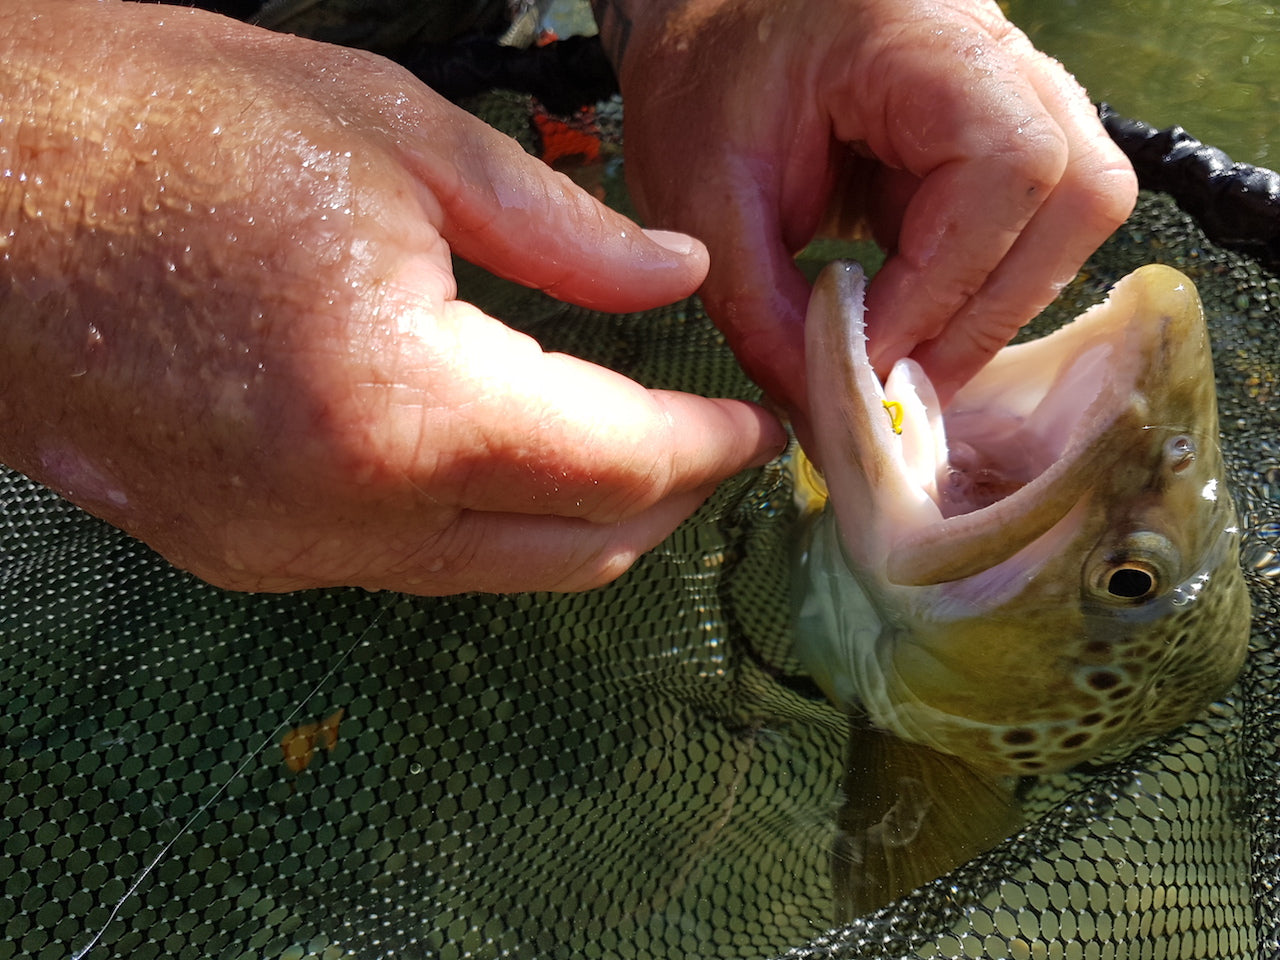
(997, 635)
(1076, 398)
(864, 462)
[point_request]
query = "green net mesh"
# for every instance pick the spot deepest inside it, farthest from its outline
(635, 772)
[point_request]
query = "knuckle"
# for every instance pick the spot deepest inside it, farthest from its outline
(1031, 158)
(433, 565)
(1115, 192)
(647, 474)
(988, 338)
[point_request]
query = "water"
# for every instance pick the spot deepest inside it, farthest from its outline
(1212, 67)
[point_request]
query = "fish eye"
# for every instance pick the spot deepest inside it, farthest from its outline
(1133, 570)
(1180, 452)
(1131, 581)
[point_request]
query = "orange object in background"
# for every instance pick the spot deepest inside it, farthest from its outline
(300, 743)
(576, 138)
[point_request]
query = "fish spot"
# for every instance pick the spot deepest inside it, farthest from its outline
(1092, 719)
(1120, 693)
(1098, 648)
(1019, 736)
(1024, 755)
(1102, 680)
(1076, 740)
(1115, 721)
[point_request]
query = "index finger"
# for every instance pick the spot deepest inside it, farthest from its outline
(510, 213)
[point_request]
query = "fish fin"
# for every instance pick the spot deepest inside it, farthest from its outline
(910, 815)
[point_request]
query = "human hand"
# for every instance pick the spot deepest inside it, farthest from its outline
(231, 324)
(975, 160)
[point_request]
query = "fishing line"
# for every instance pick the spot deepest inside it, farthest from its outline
(271, 738)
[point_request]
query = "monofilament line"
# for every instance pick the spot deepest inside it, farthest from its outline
(271, 738)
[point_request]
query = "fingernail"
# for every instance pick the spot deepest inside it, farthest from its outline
(680, 243)
(773, 442)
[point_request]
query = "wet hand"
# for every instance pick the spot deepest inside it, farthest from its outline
(233, 327)
(975, 160)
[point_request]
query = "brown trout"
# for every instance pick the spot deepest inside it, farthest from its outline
(1043, 572)
(1048, 569)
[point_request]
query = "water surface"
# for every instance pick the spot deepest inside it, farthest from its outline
(1212, 66)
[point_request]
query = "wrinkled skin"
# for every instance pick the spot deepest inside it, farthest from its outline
(228, 320)
(975, 160)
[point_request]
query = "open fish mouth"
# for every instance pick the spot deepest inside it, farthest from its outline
(1020, 444)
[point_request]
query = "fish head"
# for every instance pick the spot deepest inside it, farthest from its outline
(1048, 569)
